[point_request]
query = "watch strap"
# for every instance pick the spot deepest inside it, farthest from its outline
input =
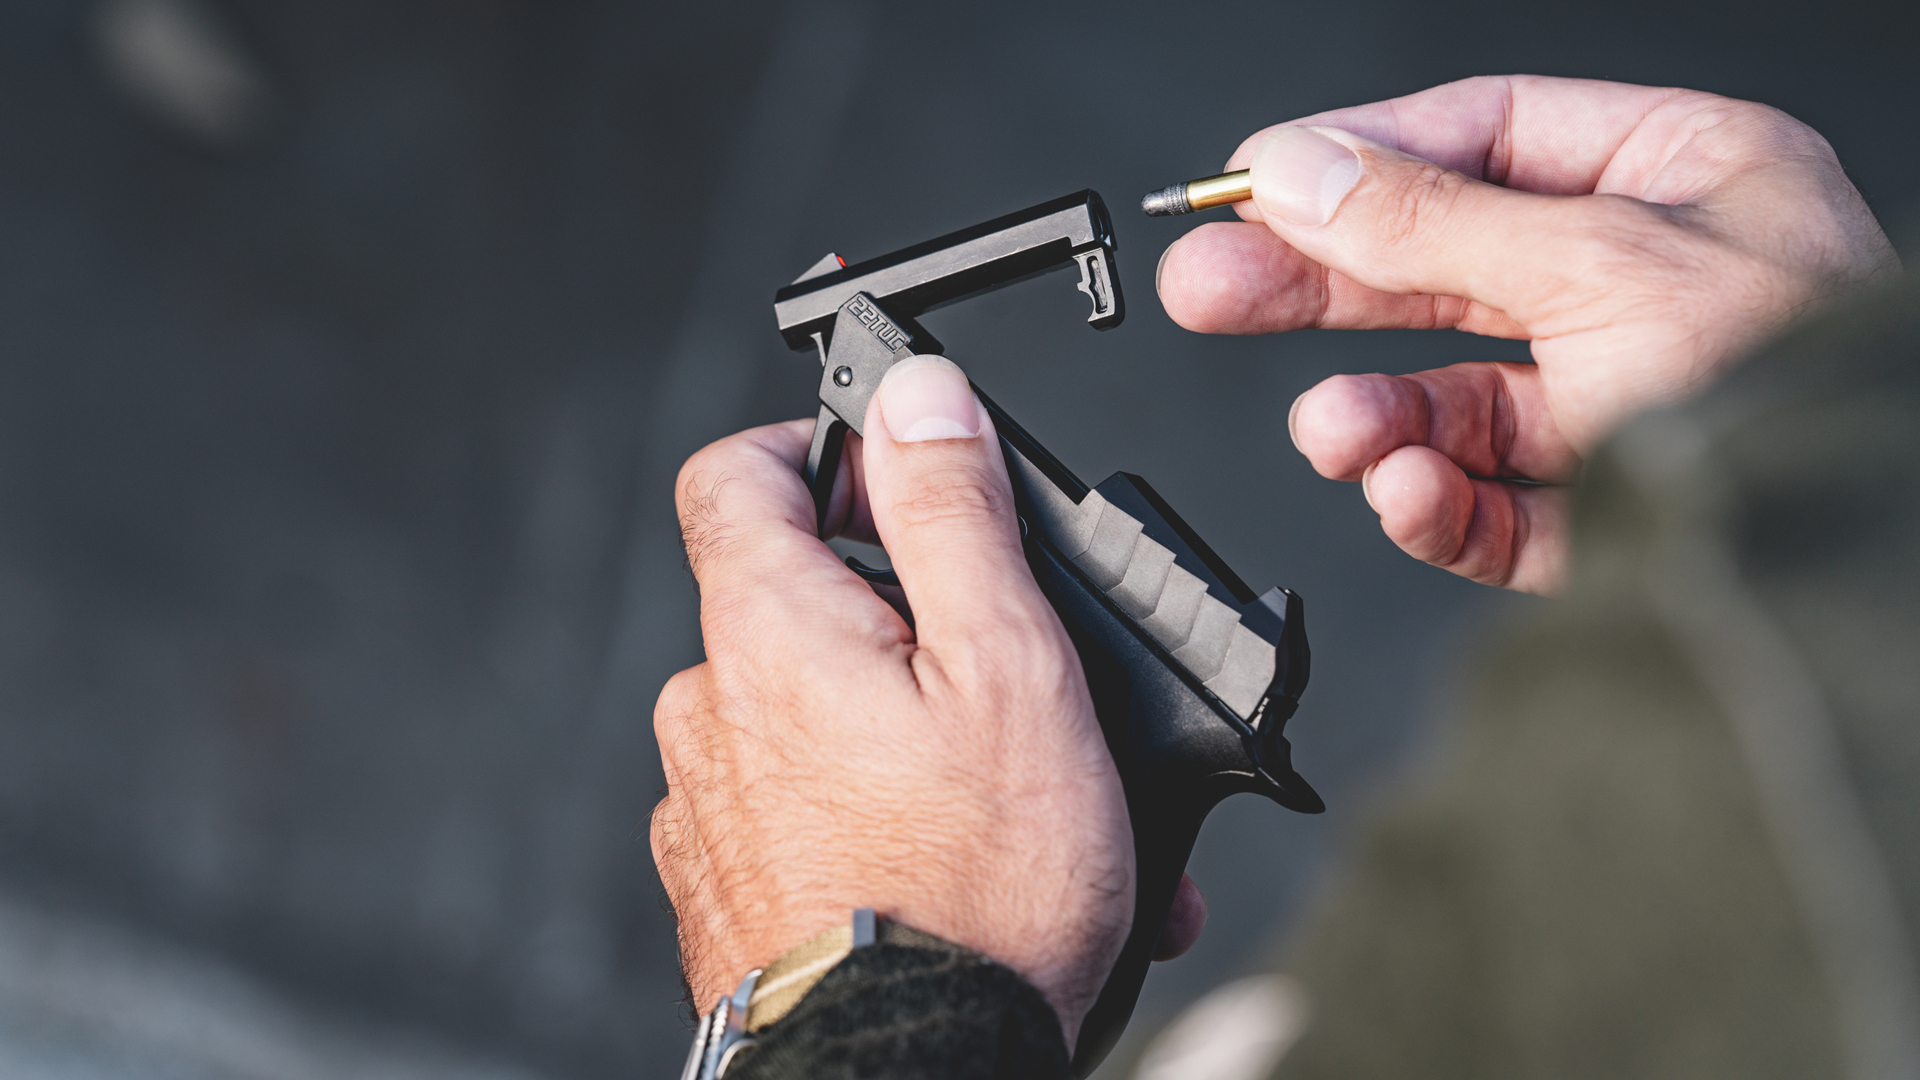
(769, 993)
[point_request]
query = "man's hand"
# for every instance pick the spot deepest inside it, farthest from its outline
(1641, 238)
(828, 755)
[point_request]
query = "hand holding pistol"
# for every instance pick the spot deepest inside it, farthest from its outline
(1193, 676)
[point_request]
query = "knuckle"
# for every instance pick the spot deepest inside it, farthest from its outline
(1017, 663)
(1420, 200)
(699, 490)
(670, 838)
(1615, 224)
(955, 493)
(676, 713)
(695, 472)
(1752, 126)
(1628, 252)
(663, 827)
(704, 531)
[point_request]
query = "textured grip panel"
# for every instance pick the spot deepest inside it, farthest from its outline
(1247, 673)
(1111, 550)
(1206, 647)
(1172, 618)
(1139, 591)
(1144, 579)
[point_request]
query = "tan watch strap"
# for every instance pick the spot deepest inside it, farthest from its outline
(785, 981)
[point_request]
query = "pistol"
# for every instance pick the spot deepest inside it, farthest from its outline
(1193, 676)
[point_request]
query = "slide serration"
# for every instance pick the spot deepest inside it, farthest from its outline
(1144, 578)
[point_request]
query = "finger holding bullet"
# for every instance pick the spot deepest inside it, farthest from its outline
(1197, 195)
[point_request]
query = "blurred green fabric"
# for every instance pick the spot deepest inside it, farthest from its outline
(1677, 832)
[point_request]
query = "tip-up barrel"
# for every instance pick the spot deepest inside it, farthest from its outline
(1068, 230)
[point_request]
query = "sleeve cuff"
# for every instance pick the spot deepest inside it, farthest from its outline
(909, 1006)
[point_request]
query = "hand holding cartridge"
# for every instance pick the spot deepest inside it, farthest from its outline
(1642, 239)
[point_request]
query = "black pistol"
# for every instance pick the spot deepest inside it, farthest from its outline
(1193, 676)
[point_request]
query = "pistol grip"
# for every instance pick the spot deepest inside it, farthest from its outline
(1176, 762)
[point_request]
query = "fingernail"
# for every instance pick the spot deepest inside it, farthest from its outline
(1302, 175)
(923, 398)
(1160, 266)
(1366, 486)
(1292, 415)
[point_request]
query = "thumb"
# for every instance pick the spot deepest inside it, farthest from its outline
(941, 502)
(1398, 224)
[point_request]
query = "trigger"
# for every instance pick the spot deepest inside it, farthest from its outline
(823, 461)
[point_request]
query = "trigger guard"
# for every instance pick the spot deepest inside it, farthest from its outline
(872, 575)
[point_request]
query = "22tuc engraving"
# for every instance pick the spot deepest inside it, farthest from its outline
(876, 321)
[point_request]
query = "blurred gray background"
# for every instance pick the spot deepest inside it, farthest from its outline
(347, 353)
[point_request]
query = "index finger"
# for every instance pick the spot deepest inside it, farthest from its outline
(747, 520)
(1528, 132)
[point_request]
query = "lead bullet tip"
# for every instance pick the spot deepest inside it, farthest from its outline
(1166, 202)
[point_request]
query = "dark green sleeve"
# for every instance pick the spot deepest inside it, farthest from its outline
(1677, 834)
(931, 1011)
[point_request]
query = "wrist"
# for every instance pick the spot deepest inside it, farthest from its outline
(879, 983)
(765, 995)
(1058, 957)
